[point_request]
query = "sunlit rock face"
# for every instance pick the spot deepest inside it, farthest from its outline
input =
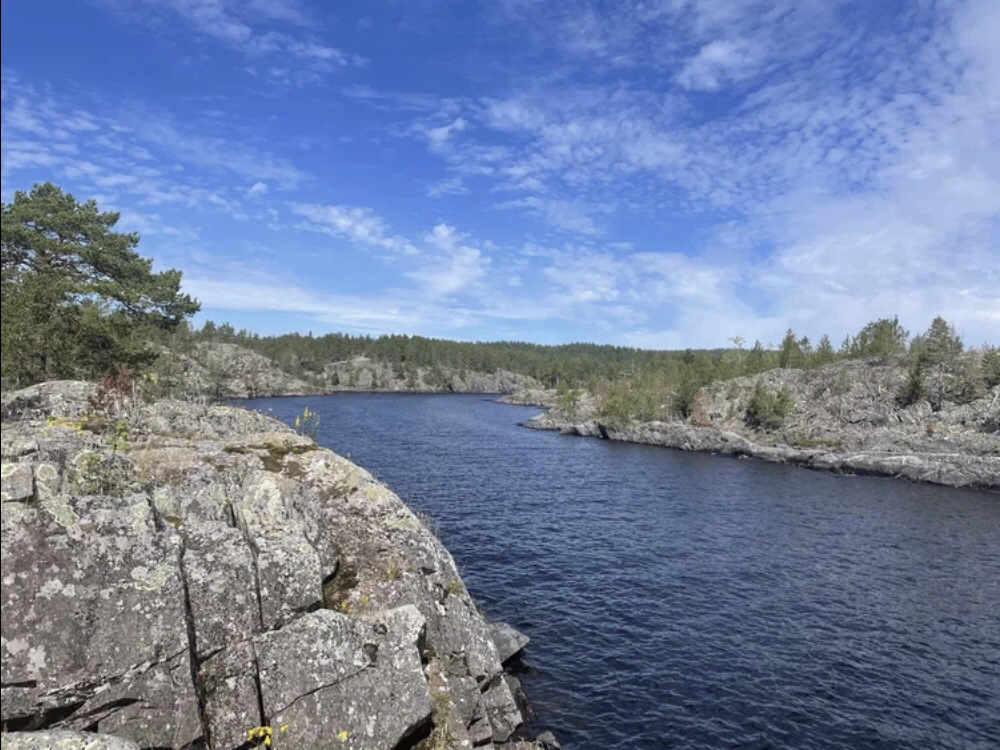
(180, 575)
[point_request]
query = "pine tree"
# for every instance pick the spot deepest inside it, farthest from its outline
(78, 300)
(991, 366)
(881, 338)
(939, 349)
(824, 351)
(790, 354)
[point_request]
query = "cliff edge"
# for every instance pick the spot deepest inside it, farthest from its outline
(183, 576)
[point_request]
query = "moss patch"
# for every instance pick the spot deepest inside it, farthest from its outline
(810, 442)
(273, 456)
(338, 586)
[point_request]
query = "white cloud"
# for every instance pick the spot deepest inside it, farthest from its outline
(832, 177)
(717, 62)
(131, 158)
(447, 186)
(130, 150)
(257, 190)
(859, 176)
(442, 133)
(356, 223)
(455, 267)
(586, 277)
(295, 55)
(566, 215)
(374, 313)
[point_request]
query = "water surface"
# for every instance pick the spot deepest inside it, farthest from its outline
(684, 600)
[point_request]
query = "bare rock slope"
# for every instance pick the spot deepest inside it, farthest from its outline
(220, 370)
(367, 374)
(845, 417)
(180, 576)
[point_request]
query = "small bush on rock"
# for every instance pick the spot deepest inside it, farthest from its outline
(768, 410)
(914, 389)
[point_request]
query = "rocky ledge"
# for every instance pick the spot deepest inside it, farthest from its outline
(181, 576)
(845, 418)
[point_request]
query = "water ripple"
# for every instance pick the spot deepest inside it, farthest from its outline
(689, 601)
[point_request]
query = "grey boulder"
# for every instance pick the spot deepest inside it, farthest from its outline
(508, 640)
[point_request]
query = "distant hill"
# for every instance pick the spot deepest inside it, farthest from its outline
(222, 370)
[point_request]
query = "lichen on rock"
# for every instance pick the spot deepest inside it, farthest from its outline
(224, 574)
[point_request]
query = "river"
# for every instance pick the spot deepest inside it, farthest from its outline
(684, 600)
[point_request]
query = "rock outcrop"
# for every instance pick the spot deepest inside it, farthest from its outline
(202, 576)
(63, 740)
(845, 418)
(219, 370)
(544, 397)
(366, 374)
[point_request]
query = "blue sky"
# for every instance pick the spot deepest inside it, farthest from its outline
(659, 174)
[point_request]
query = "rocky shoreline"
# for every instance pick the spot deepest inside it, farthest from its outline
(188, 576)
(956, 469)
(844, 418)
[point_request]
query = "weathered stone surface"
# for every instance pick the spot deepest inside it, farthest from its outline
(195, 422)
(218, 573)
(329, 676)
(508, 640)
(230, 689)
(517, 691)
(221, 370)
(48, 483)
(544, 741)
(222, 587)
(18, 482)
(63, 740)
(364, 373)
(287, 565)
(501, 707)
(94, 623)
(57, 399)
(542, 397)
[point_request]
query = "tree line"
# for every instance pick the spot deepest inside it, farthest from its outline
(644, 383)
(939, 366)
(304, 355)
(78, 301)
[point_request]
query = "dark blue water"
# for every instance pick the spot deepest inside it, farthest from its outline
(681, 600)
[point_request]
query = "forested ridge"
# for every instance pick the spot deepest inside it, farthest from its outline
(649, 384)
(302, 354)
(80, 302)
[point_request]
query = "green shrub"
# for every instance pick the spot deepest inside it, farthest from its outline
(768, 410)
(991, 366)
(914, 388)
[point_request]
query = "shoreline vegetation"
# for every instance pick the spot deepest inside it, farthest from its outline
(79, 302)
(916, 446)
(923, 408)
